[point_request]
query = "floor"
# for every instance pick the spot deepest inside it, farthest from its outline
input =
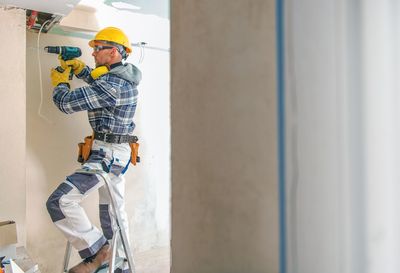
(150, 261)
(153, 261)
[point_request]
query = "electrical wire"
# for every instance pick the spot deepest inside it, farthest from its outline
(40, 75)
(142, 45)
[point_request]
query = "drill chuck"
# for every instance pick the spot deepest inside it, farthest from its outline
(66, 52)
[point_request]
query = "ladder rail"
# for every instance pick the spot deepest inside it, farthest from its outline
(122, 231)
(114, 252)
(67, 256)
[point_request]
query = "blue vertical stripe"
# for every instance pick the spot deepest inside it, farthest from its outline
(280, 48)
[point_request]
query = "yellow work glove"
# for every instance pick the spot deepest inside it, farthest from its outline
(99, 71)
(59, 77)
(76, 64)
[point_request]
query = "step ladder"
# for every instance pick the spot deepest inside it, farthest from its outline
(119, 233)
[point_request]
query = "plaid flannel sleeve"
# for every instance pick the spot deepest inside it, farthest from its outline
(99, 94)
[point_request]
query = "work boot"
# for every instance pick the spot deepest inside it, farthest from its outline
(90, 264)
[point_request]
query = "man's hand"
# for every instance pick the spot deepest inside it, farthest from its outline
(58, 77)
(76, 64)
(99, 71)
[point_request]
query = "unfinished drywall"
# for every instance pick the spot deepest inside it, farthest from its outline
(12, 111)
(51, 149)
(224, 137)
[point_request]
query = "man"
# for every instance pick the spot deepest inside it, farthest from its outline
(110, 101)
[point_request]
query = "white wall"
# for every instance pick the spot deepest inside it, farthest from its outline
(380, 30)
(51, 145)
(12, 112)
(342, 136)
(314, 130)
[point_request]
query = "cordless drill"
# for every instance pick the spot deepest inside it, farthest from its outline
(66, 53)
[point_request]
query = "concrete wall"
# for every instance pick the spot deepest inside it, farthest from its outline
(12, 112)
(224, 137)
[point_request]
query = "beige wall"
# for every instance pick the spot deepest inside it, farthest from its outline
(12, 112)
(224, 138)
(51, 150)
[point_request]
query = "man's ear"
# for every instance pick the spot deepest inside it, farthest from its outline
(114, 51)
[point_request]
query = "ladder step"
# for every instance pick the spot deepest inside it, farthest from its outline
(119, 262)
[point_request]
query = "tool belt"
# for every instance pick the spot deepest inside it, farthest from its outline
(84, 148)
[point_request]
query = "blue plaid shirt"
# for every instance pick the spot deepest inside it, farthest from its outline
(110, 100)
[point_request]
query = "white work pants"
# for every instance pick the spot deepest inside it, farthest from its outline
(111, 161)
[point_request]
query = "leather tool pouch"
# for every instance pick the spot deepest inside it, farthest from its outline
(134, 153)
(84, 149)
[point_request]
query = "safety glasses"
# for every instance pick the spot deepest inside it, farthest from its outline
(98, 48)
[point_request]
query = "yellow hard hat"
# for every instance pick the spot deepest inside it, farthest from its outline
(114, 35)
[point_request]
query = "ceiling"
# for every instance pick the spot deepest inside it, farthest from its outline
(53, 11)
(154, 7)
(59, 7)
